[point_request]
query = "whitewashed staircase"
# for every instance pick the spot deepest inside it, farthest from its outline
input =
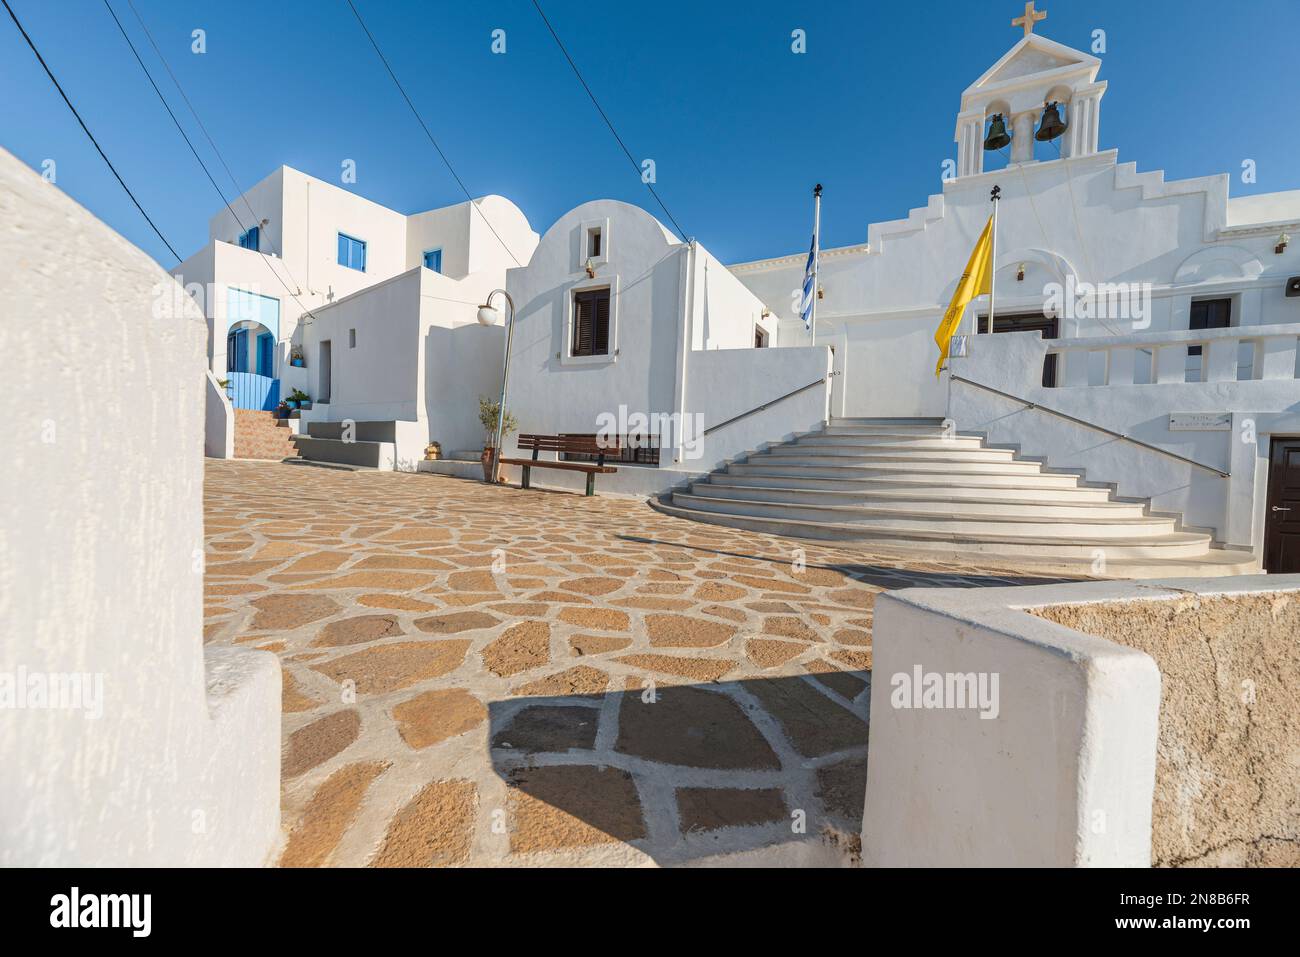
(903, 485)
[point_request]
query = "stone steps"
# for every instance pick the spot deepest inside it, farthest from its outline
(367, 445)
(1048, 487)
(888, 453)
(910, 485)
(1007, 520)
(937, 500)
(994, 473)
(260, 435)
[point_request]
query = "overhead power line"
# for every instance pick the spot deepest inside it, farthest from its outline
(605, 116)
(424, 126)
(190, 144)
(99, 149)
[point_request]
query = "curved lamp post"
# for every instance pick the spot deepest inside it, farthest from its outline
(488, 316)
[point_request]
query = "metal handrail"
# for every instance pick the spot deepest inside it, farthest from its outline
(765, 405)
(1093, 425)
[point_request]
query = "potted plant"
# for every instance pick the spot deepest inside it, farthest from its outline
(487, 416)
(298, 400)
(282, 410)
(433, 451)
(295, 358)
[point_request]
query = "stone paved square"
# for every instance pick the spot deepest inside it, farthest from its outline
(491, 676)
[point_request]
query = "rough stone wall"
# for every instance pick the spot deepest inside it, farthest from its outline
(1228, 756)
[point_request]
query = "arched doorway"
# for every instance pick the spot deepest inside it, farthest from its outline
(252, 337)
(250, 347)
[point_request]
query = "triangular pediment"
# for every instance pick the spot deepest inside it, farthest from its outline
(1033, 56)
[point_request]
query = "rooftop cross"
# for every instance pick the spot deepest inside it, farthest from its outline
(1031, 17)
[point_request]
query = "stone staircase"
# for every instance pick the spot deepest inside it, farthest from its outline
(367, 445)
(902, 485)
(260, 435)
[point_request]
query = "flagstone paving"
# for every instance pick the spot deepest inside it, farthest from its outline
(490, 676)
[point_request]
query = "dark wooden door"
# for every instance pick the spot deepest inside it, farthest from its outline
(1045, 326)
(1282, 520)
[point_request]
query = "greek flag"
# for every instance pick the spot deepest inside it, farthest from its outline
(809, 285)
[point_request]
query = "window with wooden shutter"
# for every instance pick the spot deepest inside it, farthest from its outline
(590, 323)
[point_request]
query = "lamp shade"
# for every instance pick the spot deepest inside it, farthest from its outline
(488, 316)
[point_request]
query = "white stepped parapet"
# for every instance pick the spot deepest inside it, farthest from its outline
(913, 485)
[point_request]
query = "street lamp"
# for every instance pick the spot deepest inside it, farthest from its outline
(488, 316)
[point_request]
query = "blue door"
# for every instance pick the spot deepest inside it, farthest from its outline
(237, 351)
(266, 354)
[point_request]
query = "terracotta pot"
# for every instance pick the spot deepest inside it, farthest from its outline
(486, 459)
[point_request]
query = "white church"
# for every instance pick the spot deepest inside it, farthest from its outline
(1134, 410)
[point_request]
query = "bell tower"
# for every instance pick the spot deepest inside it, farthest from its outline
(1020, 88)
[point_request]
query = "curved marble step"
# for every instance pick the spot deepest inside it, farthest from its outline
(1001, 489)
(1174, 545)
(936, 500)
(1008, 525)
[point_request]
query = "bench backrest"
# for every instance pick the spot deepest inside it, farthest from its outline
(582, 444)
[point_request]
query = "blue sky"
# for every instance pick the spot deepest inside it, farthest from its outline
(738, 125)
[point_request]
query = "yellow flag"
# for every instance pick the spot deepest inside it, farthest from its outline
(975, 281)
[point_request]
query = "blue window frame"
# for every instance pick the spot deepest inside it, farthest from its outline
(352, 252)
(251, 239)
(237, 351)
(266, 354)
(433, 260)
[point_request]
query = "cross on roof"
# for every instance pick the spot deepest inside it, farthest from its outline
(1031, 17)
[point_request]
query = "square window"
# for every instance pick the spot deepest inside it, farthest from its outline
(433, 260)
(352, 252)
(590, 323)
(250, 239)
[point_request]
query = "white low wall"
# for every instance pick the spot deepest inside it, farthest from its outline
(1062, 765)
(218, 420)
(1059, 773)
(722, 384)
(156, 754)
(1229, 508)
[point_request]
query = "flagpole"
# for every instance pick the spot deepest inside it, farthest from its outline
(817, 255)
(994, 195)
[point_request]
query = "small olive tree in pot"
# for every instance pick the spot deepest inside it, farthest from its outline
(487, 416)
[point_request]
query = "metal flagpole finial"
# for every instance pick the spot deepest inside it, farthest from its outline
(995, 193)
(817, 190)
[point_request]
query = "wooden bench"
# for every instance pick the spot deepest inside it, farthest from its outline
(566, 444)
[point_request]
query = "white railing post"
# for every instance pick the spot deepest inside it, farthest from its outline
(1220, 358)
(1120, 366)
(1277, 358)
(1170, 363)
(1076, 367)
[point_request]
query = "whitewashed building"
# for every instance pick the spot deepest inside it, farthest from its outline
(1137, 409)
(308, 286)
(1157, 321)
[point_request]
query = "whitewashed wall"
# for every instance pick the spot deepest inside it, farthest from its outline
(378, 379)
(101, 567)
(301, 270)
(552, 392)
(1091, 218)
(1060, 773)
(1231, 508)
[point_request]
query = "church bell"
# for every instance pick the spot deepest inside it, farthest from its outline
(997, 137)
(1051, 125)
